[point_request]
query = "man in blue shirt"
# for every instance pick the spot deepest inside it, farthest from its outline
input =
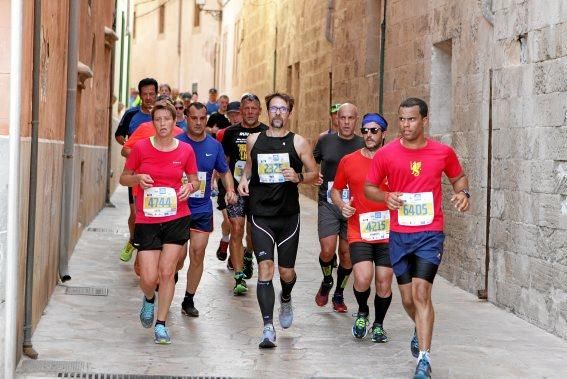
(212, 104)
(210, 157)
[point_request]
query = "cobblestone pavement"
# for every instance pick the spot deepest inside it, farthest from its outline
(102, 334)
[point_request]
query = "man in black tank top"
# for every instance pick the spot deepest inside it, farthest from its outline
(272, 172)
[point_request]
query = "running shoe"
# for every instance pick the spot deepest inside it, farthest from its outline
(268, 337)
(161, 335)
(127, 251)
(286, 313)
(423, 369)
(240, 287)
(414, 345)
(379, 334)
(248, 269)
(147, 313)
(339, 303)
(322, 297)
(222, 250)
(229, 264)
(188, 309)
(360, 327)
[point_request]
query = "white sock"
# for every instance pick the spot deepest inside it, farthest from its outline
(424, 354)
(225, 237)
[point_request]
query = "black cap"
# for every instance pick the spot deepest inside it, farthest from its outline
(185, 95)
(213, 90)
(233, 106)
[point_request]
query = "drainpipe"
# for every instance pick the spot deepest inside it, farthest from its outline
(483, 293)
(275, 60)
(109, 172)
(382, 54)
(13, 232)
(28, 347)
(69, 145)
(179, 29)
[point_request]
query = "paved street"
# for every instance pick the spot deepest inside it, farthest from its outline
(102, 334)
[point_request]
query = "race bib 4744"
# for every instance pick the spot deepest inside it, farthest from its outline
(160, 202)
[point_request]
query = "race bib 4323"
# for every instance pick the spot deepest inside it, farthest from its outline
(160, 202)
(270, 167)
(417, 209)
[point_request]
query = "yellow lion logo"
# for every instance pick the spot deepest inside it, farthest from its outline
(415, 168)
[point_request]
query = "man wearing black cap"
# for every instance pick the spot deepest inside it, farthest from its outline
(218, 120)
(212, 105)
(368, 230)
(186, 97)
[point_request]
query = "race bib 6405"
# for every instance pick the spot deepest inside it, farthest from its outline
(417, 209)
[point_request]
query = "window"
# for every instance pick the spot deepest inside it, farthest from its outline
(197, 16)
(441, 88)
(161, 20)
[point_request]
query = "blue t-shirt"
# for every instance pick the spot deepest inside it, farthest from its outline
(212, 107)
(210, 156)
(138, 119)
(182, 124)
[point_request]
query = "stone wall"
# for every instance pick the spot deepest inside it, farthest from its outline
(486, 68)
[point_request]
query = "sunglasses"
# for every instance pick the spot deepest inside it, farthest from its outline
(179, 108)
(372, 130)
(251, 97)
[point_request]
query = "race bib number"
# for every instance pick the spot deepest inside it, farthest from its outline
(417, 209)
(374, 226)
(160, 202)
(239, 170)
(200, 193)
(270, 167)
(329, 188)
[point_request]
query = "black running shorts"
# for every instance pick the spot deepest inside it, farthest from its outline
(283, 231)
(154, 236)
(379, 253)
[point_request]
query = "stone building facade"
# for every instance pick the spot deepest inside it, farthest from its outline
(91, 130)
(494, 75)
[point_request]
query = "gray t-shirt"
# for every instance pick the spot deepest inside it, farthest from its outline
(329, 151)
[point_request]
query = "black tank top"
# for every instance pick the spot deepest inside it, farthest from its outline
(270, 195)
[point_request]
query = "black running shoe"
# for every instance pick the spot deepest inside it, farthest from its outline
(188, 309)
(248, 269)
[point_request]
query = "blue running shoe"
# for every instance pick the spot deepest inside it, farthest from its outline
(360, 327)
(414, 345)
(161, 335)
(286, 313)
(423, 369)
(147, 313)
(268, 337)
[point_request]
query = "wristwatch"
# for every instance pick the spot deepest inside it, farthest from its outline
(466, 192)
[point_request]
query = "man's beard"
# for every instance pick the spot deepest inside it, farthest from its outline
(277, 123)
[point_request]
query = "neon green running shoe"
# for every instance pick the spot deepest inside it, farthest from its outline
(127, 251)
(359, 329)
(240, 287)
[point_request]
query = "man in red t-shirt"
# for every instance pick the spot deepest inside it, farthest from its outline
(413, 165)
(368, 229)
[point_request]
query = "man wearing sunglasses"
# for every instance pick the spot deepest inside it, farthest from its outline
(272, 174)
(234, 145)
(414, 165)
(329, 150)
(368, 230)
